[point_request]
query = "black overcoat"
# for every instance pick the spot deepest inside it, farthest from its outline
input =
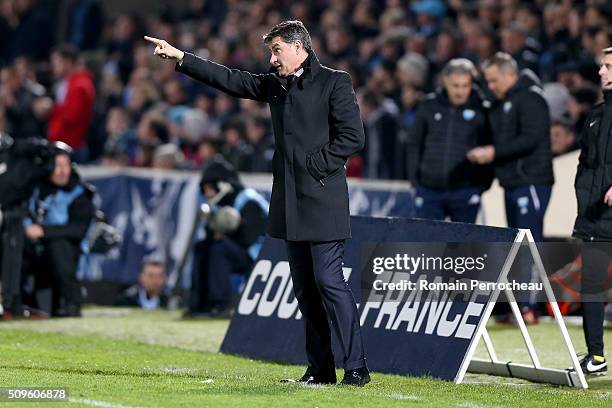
(317, 127)
(594, 175)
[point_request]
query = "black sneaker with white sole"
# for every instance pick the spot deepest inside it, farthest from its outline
(592, 365)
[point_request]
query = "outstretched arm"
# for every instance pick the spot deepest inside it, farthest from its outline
(240, 84)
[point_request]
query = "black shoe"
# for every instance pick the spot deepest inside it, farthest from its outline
(68, 311)
(25, 312)
(592, 366)
(357, 377)
(309, 378)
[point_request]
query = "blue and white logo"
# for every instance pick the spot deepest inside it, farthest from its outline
(468, 114)
(507, 106)
(438, 116)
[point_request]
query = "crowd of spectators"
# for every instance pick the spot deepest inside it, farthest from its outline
(72, 70)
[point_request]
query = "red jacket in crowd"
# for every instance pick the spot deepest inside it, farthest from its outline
(72, 113)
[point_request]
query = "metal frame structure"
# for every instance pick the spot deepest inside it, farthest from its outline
(535, 371)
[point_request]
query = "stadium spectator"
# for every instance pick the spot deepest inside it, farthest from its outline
(167, 157)
(121, 141)
(447, 125)
(260, 145)
(562, 138)
(514, 42)
(150, 291)
(580, 103)
(17, 99)
(32, 36)
(60, 214)
(594, 220)
(379, 116)
(85, 21)
(234, 234)
(71, 112)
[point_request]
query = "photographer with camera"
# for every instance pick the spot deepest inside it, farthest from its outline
(23, 163)
(235, 229)
(61, 211)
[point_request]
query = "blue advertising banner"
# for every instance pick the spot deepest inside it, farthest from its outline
(422, 333)
(154, 212)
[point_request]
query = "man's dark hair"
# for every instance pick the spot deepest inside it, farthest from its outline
(289, 31)
(585, 95)
(503, 61)
(67, 51)
(152, 262)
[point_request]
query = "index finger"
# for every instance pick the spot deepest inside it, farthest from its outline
(154, 40)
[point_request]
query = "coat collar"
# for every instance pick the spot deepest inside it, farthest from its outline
(311, 66)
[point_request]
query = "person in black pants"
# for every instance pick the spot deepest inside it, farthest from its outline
(448, 124)
(61, 210)
(594, 220)
(317, 127)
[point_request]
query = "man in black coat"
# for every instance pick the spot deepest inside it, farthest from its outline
(594, 221)
(520, 151)
(317, 127)
(448, 124)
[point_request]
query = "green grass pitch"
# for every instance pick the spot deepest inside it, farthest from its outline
(119, 358)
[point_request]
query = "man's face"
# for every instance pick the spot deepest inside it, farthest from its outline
(605, 72)
(62, 170)
(561, 138)
(285, 57)
(458, 88)
(153, 279)
(210, 191)
(59, 66)
(499, 82)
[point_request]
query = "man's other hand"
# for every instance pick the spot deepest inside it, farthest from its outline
(165, 50)
(34, 232)
(608, 197)
(481, 154)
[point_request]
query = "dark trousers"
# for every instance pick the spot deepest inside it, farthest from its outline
(459, 205)
(214, 263)
(526, 206)
(11, 249)
(325, 297)
(53, 263)
(593, 291)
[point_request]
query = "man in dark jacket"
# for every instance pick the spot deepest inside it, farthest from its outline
(594, 221)
(520, 151)
(448, 124)
(521, 143)
(235, 231)
(61, 211)
(317, 127)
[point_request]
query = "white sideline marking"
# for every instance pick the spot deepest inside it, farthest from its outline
(95, 403)
(403, 397)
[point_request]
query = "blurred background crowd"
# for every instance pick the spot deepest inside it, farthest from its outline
(78, 71)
